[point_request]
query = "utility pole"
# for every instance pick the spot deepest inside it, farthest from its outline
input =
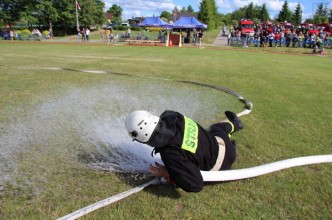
(77, 24)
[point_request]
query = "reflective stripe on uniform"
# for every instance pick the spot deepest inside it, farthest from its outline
(190, 137)
(229, 134)
(221, 154)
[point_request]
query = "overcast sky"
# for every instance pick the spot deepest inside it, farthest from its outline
(148, 8)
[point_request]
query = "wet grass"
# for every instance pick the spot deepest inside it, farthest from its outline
(291, 118)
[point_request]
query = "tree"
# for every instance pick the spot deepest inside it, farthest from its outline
(309, 20)
(9, 11)
(321, 14)
(321, 10)
(190, 9)
(175, 13)
(98, 12)
(238, 14)
(285, 14)
(183, 9)
(208, 13)
(204, 13)
(166, 15)
(47, 12)
(249, 12)
(67, 17)
(175, 10)
(116, 10)
(263, 13)
(297, 18)
(330, 16)
(226, 19)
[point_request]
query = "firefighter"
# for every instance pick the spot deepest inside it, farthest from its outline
(185, 147)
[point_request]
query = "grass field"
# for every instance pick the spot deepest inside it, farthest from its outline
(291, 94)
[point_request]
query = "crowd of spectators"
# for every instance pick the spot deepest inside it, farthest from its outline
(35, 34)
(278, 36)
(8, 34)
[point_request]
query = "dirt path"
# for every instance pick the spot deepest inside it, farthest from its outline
(220, 40)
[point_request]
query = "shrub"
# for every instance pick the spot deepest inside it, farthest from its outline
(25, 34)
(46, 33)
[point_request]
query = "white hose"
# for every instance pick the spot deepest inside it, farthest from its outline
(212, 176)
(105, 202)
(229, 175)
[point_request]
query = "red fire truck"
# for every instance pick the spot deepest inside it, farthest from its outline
(286, 26)
(267, 26)
(327, 27)
(312, 29)
(247, 25)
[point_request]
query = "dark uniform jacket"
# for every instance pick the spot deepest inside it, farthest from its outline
(184, 166)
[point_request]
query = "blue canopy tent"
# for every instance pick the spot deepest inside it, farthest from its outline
(188, 23)
(153, 22)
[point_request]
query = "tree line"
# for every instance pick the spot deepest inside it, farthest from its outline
(208, 14)
(60, 14)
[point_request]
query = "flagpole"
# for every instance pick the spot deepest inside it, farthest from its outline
(77, 25)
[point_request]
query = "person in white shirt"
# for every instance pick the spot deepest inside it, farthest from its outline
(87, 34)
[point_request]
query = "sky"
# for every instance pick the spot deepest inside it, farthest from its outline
(149, 8)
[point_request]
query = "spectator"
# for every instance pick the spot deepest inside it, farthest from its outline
(256, 39)
(87, 34)
(194, 36)
(318, 45)
(243, 38)
(277, 38)
(115, 37)
(313, 40)
(107, 34)
(288, 38)
(111, 37)
(300, 39)
(129, 33)
(238, 37)
(11, 35)
(101, 35)
(322, 35)
(229, 37)
(282, 38)
(271, 38)
(294, 38)
(262, 39)
(224, 30)
(251, 37)
(83, 34)
(200, 37)
(305, 39)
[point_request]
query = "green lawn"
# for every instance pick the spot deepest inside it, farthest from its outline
(291, 94)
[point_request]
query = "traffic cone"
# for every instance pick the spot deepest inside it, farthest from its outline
(170, 43)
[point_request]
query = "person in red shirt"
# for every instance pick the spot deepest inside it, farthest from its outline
(277, 38)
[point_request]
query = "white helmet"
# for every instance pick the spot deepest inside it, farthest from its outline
(140, 125)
